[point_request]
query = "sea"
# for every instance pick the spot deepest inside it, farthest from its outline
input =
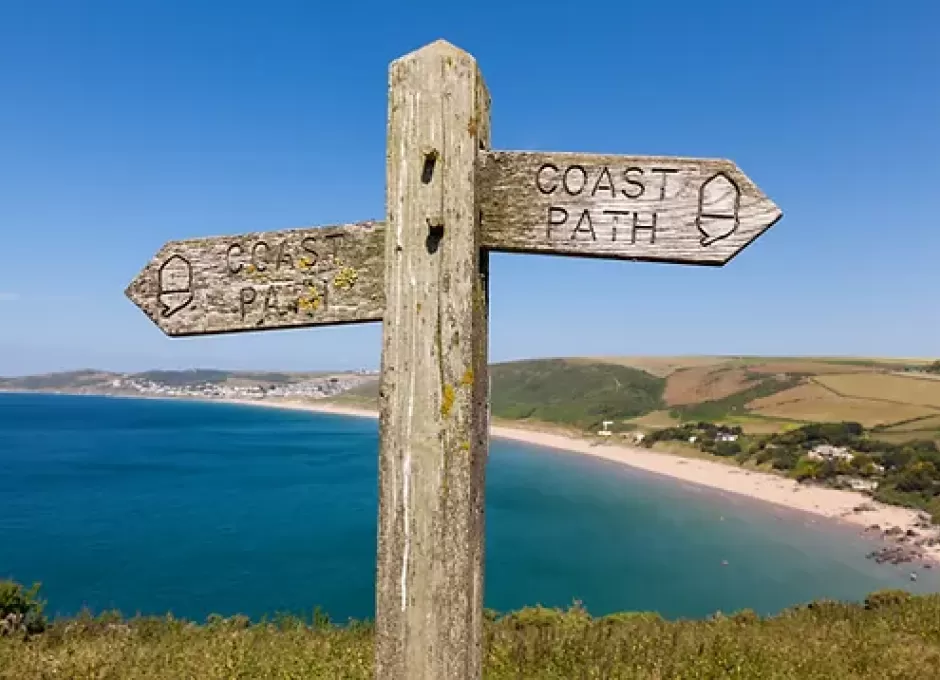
(193, 508)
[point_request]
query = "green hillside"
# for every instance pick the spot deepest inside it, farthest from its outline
(58, 381)
(573, 393)
(365, 395)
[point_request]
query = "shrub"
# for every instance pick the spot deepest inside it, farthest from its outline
(881, 599)
(919, 476)
(806, 468)
(21, 610)
(745, 616)
(728, 449)
(784, 459)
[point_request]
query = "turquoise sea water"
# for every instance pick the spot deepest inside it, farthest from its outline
(155, 506)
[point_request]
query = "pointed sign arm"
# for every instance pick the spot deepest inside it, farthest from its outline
(642, 208)
(265, 280)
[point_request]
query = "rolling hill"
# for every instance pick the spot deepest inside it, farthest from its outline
(899, 398)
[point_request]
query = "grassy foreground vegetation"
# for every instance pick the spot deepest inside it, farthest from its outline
(891, 635)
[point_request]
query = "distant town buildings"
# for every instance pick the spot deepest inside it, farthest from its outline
(319, 387)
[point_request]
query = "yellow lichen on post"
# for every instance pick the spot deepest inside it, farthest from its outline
(311, 301)
(345, 278)
(447, 400)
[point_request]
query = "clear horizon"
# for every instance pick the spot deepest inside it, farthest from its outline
(283, 369)
(136, 125)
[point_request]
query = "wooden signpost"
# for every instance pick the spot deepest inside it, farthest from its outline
(423, 272)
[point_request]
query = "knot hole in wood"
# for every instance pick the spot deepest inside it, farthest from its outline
(430, 160)
(436, 216)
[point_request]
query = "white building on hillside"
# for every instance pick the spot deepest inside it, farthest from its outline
(829, 452)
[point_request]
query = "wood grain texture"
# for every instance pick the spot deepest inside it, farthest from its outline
(659, 209)
(265, 280)
(434, 387)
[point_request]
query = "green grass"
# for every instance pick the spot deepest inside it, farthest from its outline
(758, 423)
(573, 393)
(895, 636)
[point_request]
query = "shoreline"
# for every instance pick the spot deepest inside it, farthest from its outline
(904, 525)
(830, 504)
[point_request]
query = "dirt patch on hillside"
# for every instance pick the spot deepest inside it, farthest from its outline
(705, 383)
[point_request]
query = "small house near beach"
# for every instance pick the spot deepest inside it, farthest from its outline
(829, 452)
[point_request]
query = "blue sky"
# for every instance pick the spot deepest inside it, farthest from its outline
(125, 125)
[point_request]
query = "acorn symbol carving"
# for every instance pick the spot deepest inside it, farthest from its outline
(719, 203)
(174, 285)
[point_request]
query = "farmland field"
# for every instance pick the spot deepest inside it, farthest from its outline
(885, 387)
(808, 367)
(923, 424)
(904, 437)
(814, 403)
(758, 424)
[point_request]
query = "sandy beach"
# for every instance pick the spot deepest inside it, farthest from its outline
(829, 503)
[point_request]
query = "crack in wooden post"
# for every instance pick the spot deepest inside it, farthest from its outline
(434, 388)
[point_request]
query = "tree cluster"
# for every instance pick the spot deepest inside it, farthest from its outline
(906, 474)
(707, 436)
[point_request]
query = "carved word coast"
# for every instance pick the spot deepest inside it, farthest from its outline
(265, 280)
(691, 211)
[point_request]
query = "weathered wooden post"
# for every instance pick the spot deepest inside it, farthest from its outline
(424, 273)
(433, 397)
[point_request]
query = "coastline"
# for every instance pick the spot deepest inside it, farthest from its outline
(831, 504)
(896, 526)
